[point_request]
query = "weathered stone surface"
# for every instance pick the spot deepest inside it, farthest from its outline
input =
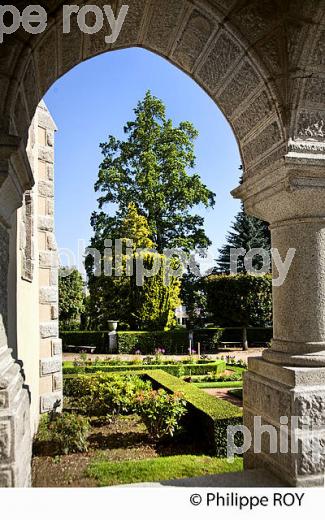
(49, 329)
(193, 40)
(220, 60)
(54, 276)
(56, 347)
(258, 146)
(311, 125)
(57, 382)
(54, 312)
(45, 189)
(51, 242)
(259, 108)
(163, 23)
(46, 60)
(257, 18)
(50, 365)
(243, 84)
(5, 441)
(48, 259)
(50, 402)
(48, 295)
(130, 31)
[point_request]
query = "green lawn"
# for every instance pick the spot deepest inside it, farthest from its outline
(157, 469)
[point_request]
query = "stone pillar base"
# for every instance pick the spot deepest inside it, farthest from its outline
(112, 342)
(273, 392)
(15, 434)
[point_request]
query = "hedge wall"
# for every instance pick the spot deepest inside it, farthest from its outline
(208, 417)
(177, 370)
(174, 342)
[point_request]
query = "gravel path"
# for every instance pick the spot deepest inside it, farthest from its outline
(237, 354)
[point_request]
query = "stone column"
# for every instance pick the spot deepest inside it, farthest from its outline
(15, 435)
(286, 387)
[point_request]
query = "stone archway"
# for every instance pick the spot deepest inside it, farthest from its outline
(262, 62)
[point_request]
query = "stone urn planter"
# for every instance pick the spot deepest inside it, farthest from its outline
(112, 325)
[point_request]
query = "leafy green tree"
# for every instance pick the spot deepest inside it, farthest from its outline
(71, 297)
(240, 301)
(151, 169)
(149, 306)
(193, 297)
(247, 233)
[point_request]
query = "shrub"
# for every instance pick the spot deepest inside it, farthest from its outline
(161, 412)
(240, 300)
(178, 369)
(63, 432)
(208, 416)
(173, 342)
(103, 395)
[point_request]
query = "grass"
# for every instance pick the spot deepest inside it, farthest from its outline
(158, 469)
(219, 384)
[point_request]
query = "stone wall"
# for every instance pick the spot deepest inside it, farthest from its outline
(15, 435)
(50, 345)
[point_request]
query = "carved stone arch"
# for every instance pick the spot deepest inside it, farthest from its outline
(207, 40)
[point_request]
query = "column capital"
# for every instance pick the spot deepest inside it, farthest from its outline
(294, 190)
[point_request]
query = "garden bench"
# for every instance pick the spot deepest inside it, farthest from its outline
(230, 343)
(81, 349)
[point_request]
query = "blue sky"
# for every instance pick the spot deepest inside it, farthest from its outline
(96, 98)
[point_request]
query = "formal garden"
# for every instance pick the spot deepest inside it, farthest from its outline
(144, 420)
(146, 398)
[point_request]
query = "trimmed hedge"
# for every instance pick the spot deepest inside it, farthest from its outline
(208, 417)
(218, 367)
(174, 342)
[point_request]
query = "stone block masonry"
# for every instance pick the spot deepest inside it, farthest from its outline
(50, 344)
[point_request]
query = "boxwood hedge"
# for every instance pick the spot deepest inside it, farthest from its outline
(179, 369)
(174, 342)
(208, 417)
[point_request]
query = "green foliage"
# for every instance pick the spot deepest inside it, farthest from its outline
(173, 342)
(101, 395)
(158, 469)
(208, 415)
(150, 168)
(147, 303)
(64, 432)
(248, 233)
(71, 297)
(194, 298)
(161, 412)
(178, 369)
(241, 300)
(147, 342)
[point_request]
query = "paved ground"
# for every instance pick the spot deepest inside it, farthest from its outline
(237, 354)
(254, 478)
(222, 393)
